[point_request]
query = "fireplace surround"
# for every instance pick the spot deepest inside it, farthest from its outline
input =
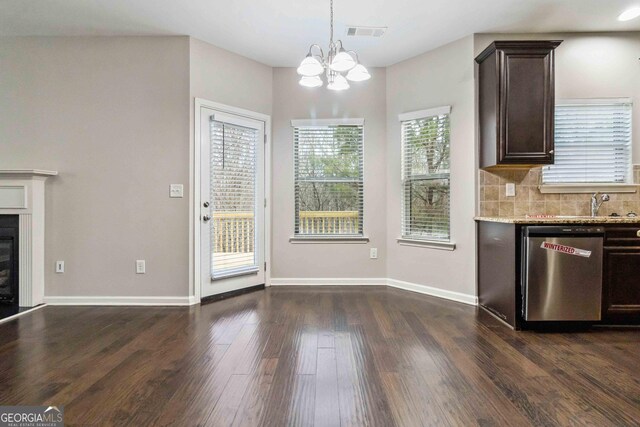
(22, 202)
(9, 259)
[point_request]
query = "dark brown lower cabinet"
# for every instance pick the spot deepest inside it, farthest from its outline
(621, 287)
(499, 270)
(500, 266)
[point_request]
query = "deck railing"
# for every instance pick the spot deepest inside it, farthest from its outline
(233, 231)
(328, 222)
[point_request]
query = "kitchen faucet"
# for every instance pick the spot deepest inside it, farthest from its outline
(595, 203)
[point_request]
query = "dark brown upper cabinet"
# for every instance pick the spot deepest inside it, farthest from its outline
(516, 103)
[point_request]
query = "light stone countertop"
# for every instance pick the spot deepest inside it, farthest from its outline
(551, 219)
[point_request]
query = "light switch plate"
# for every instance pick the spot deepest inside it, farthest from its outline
(140, 266)
(176, 190)
(373, 253)
(59, 266)
(511, 190)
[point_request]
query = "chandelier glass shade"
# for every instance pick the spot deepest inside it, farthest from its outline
(342, 62)
(310, 67)
(310, 81)
(338, 82)
(339, 66)
(358, 74)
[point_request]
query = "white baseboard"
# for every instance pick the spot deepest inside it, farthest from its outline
(22, 313)
(153, 301)
(435, 292)
(329, 282)
(399, 284)
(191, 300)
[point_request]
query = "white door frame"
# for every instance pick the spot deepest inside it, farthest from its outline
(194, 192)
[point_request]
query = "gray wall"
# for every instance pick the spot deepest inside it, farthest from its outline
(111, 115)
(440, 77)
(592, 65)
(225, 77)
(114, 116)
(331, 260)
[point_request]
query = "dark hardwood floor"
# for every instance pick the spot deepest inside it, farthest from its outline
(316, 356)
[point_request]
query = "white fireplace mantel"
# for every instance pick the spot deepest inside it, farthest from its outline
(27, 172)
(22, 194)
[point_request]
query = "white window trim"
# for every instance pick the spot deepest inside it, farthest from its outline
(449, 245)
(332, 238)
(585, 187)
(431, 244)
(423, 114)
(329, 239)
(593, 101)
(301, 123)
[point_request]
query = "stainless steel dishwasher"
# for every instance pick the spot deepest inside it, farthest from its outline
(562, 273)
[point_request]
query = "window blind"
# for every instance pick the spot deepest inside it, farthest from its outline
(425, 176)
(328, 169)
(233, 197)
(592, 143)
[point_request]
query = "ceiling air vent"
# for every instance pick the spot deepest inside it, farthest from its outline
(366, 31)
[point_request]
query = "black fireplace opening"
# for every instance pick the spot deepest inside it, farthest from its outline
(9, 260)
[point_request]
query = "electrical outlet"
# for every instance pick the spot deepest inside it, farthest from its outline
(510, 189)
(59, 266)
(140, 266)
(176, 190)
(373, 253)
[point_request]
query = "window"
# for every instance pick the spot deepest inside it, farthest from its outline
(425, 175)
(592, 143)
(328, 164)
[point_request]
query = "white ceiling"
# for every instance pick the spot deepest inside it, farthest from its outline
(279, 32)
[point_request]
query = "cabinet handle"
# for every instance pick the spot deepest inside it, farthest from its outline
(550, 151)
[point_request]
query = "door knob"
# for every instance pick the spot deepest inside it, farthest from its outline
(206, 218)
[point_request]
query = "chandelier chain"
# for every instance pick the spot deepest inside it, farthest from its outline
(331, 35)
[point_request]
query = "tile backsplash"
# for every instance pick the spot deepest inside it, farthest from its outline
(529, 200)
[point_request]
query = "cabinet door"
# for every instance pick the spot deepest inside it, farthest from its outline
(621, 287)
(526, 106)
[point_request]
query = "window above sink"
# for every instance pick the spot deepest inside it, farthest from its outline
(592, 147)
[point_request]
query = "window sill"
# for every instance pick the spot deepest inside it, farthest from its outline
(587, 188)
(431, 244)
(328, 239)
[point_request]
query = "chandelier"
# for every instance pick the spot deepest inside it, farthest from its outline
(340, 66)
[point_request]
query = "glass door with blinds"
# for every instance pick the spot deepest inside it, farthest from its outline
(232, 195)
